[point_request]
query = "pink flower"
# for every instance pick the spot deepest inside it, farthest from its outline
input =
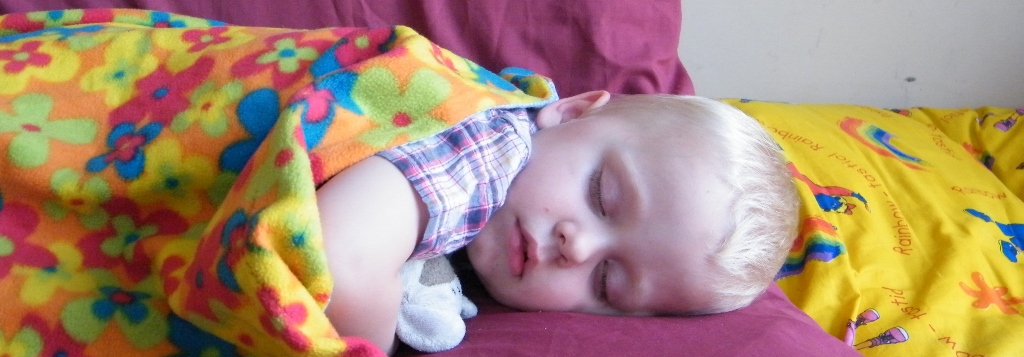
(318, 103)
(287, 58)
(162, 94)
(17, 223)
(283, 320)
(202, 38)
(25, 56)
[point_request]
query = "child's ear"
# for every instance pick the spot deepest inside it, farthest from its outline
(571, 108)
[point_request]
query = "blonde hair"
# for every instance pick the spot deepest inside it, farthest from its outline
(764, 204)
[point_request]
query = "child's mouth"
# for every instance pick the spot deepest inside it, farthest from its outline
(516, 250)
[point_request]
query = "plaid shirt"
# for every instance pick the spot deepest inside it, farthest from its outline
(463, 174)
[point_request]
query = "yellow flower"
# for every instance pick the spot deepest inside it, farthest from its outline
(168, 176)
(82, 198)
(126, 60)
(67, 275)
(197, 42)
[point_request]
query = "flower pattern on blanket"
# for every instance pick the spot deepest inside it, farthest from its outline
(157, 194)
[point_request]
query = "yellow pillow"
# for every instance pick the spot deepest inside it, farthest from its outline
(912, 225)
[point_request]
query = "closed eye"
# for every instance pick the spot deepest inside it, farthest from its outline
(602, 283)
(595, 192)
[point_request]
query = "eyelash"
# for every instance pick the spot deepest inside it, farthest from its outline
(595, 191)
(603, 292)
(595, 196)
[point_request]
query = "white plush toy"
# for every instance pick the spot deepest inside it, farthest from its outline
(433, 307)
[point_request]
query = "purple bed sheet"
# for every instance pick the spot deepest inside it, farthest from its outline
(772, 326)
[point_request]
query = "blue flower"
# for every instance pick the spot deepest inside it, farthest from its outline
(318, 111)
(238, 224)
(163, 19)
(193, 341)
(125, 144)
(129, 303)
(257, 112)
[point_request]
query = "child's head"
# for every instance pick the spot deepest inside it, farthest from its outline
(640, 205)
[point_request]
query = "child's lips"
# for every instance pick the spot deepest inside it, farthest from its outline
(516, 250)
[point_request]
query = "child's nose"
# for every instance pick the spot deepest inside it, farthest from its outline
(573, 246)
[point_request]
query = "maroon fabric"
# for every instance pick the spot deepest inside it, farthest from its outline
(772, 326)
(621, 46)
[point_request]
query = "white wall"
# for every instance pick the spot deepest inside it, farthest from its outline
(958, 52)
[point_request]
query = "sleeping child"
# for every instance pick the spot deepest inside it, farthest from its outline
(612, 210)
(173, 185)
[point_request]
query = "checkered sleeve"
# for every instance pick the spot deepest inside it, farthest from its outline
(463, 174)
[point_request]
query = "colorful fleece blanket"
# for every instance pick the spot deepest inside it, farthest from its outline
(158, 173)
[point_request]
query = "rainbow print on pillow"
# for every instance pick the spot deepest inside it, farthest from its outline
(933, 267)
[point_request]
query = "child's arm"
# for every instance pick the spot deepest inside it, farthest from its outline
(372, 219)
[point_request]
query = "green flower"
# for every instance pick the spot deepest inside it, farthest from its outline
(142, 323)
(33, 130)
(399, 108)
(288, 55)
(26, 342)
(210, 107)
(82, 198)
(57, 18)
(127, 234)
(84, 41)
